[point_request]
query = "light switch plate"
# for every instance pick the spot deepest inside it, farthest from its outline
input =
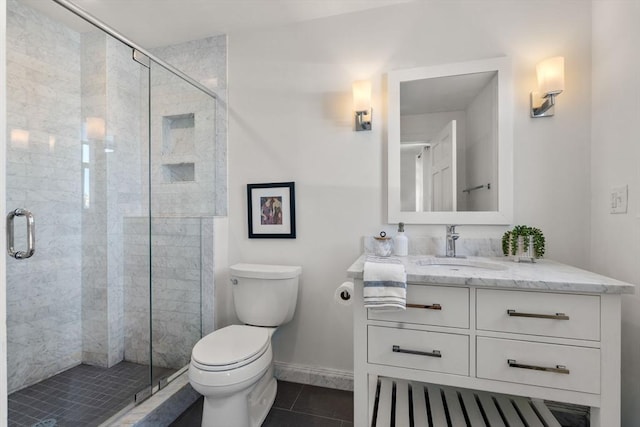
(619, 200)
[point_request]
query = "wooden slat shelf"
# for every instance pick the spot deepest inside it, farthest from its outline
(401, 403)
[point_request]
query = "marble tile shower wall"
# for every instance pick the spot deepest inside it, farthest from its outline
(43, 100)
(181, 260)
(112, 94)
(94, 257)
(126, 116)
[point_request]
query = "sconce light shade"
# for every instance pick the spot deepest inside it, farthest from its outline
(362, 95)
(550, 84)
(551, 75)
(362, 104)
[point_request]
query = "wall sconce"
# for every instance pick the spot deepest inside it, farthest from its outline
(362, 104)
(550, 84)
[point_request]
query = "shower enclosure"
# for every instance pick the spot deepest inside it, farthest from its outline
(111, 184)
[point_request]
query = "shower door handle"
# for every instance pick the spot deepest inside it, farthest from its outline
(31, 234)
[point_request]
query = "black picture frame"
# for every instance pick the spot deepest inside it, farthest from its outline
(271, 210)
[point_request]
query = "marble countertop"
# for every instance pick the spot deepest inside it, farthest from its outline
(541, 275)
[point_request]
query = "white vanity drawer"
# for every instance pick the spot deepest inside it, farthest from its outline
(439, 306)
(428, 351)
(539, 313)
(547, 365)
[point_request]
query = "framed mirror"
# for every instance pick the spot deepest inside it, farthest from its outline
(450, 143)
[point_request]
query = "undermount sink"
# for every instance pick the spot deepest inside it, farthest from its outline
(459, 263)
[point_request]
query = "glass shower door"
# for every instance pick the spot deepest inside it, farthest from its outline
(77, 162)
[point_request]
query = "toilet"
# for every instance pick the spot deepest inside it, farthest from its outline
(232, 367)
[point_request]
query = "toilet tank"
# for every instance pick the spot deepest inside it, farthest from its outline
(265, 295)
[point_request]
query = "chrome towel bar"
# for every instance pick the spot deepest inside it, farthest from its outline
(477, 187)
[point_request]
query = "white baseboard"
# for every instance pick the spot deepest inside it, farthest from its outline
(322, 377)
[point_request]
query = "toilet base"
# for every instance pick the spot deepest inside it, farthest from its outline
(247, 408)
(261, 398)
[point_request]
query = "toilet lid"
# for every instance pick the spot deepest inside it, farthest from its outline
(231, 347)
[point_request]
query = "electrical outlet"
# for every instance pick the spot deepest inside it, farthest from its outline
(619, 200)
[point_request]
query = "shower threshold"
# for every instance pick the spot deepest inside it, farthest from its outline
(83, 395)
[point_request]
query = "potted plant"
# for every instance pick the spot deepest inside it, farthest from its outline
(510, 240)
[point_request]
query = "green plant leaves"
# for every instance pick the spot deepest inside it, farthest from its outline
(510, 240)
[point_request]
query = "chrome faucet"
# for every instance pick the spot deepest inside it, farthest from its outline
(452, 236)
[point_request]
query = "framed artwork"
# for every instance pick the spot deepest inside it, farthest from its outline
(271, 210)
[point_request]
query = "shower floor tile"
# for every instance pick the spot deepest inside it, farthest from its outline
(81, 396)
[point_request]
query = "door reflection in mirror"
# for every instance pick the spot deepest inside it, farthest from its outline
(449, 143)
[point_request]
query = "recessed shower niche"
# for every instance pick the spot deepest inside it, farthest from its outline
(179, 172)
(178, 136)
(178, 140)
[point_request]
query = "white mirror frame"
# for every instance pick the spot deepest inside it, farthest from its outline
(504, 214)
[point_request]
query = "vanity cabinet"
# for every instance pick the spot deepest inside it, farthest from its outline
(558, 343)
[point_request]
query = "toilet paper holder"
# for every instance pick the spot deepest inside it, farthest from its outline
(344, 294)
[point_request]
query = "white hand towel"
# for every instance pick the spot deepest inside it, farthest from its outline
(385, 284)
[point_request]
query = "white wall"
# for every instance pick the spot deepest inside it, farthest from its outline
(615, 147)
(290, 119)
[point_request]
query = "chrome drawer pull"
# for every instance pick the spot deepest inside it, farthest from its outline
(557, 316)
(434, 353)
(559, 369)
(427, 307)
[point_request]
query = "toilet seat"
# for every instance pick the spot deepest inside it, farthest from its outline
(229, 348)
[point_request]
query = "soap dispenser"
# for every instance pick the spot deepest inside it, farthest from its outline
(401, 242)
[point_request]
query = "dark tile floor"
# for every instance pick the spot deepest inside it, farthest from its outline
(296, 405)
(569, 415)
(299, 405)
(81, 396)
